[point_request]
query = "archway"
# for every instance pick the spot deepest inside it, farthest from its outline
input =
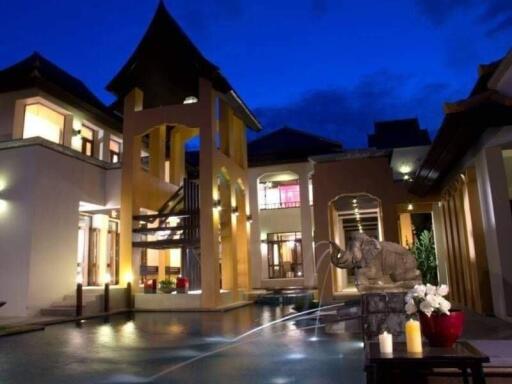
(351, 214)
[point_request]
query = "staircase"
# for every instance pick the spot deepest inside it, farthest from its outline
(177, 221)
(92, 302)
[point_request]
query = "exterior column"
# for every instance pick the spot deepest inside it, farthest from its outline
(157, 152)
(210, 282)
(497, 219)
(67, 135)
(131, 163)
(105, 147)
(308, 259)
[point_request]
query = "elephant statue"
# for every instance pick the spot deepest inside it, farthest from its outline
(379, 266)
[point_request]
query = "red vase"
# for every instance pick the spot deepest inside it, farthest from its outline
(182, 285)
(442, 330)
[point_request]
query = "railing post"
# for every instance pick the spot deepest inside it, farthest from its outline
(129, 295)
(106, 302)
(79, 300)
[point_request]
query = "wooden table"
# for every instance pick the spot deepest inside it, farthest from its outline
(415, 367)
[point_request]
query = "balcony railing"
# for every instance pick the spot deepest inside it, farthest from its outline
(280, 205)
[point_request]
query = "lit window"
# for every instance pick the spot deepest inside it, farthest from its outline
(284, 251)
(115, 151)
(87, 135)
(279, 194)
(43, 122)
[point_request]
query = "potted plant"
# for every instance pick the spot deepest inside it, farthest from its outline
(440, 325)
(167, 285)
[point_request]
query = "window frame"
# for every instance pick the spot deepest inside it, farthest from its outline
(277, 271)
(54, 109)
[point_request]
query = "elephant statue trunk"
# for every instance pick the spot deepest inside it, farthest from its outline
(379, 266)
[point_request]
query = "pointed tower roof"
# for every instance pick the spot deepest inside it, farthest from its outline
(167, 66)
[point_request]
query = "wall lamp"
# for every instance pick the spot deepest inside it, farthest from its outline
(234, 210)
(217, 206)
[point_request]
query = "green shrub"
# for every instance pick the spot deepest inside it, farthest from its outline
(425, 251)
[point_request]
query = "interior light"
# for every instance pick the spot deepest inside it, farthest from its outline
(217, 206)
(190, 100)
(107, 278)
(3, 205)
(407, 177)
(128, 277)
(234, 210)
(405, 168)
(410, 207)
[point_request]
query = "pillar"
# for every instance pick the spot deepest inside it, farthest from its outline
(210, 282)
(308, 259)
(497, 219)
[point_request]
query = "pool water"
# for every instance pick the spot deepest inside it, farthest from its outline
(183, 348)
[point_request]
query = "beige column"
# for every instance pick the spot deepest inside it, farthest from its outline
(210, 284)
(308, 258)
(131, 164)
(105, 147)
(497, 219)
(157, 152)
(68, 130)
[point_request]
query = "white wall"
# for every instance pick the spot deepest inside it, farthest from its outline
(281, 220)
(38, 230)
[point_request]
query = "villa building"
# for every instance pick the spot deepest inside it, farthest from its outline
(97, 195)
(92, 194)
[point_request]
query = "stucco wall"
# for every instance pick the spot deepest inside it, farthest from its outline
(281, 220)
(38, 230)
(351, 176)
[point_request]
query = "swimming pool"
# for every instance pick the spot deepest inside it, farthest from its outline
(196, 347)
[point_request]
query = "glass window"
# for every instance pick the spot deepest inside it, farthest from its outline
(115, 151)
(43, 122)
(284, 251)
(279, 194)
(87, 134)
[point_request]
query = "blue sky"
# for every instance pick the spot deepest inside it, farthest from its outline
(328, 66)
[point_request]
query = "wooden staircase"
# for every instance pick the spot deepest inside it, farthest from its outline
(182, 231)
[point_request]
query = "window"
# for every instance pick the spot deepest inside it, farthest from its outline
(43, 122)
(87, 135)
(279, 194)
(284, 251)
(115, 151)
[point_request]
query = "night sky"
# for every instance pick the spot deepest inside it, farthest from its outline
(327, 66)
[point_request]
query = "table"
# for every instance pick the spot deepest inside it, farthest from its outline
(384, 369)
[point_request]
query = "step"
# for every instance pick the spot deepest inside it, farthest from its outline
(154, 216)
(165, 243)
(158, 229)
(61, 311)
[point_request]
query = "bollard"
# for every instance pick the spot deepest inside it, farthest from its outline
(79, 300)
(129, 295)
(106, 302)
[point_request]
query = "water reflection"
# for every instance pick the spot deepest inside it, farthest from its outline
(182, 347)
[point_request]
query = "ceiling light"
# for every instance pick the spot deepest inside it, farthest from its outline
(190, 100)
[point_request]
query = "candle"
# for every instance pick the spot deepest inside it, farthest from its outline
(386, 343)
(413, 336)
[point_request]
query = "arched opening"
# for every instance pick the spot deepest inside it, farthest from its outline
(351, 214)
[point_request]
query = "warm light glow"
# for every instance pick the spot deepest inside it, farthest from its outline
(407, 177)
(3, 184)
(3, 205)
(405, 168)
(190, 100)
(128, 277)
(410, 207)
(41, 121)
(107, 278)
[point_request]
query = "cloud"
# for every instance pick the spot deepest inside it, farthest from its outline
(494, 15)
(348, 114)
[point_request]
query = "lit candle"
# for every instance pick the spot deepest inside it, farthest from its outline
(413, 336)
(386, 343)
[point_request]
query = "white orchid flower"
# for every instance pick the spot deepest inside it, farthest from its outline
(444, 306)
(426, 308)
(433, 300)
(410, 307)
(419, 290)
(442, 290)
(430, 289)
